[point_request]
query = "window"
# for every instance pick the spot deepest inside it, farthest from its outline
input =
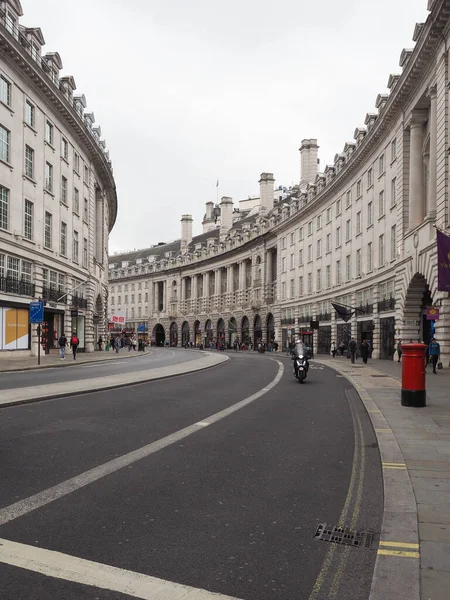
(76, 201)
(338, 272)
(28, 220)
(61, 282)
(300, 286)
(310, 253)
(29, 162)
(4, 144)
(132, 298)
(48, 230)
(394, 149)
(26, 271)
(292, 261)
(369, 214)
(112, 301)
(292, 238)
(369, 257)
(63, 190)
(10, 24)
(283, 243)
(358, 263)
(4, 207)
(300, 234)
(12, 267)
(5, 91)
(349, 199)
(319, 248)
(48, 177)
(300, 258)
(283, 290)
(75, 246)
(319, 222)
(358, 223)
(63, 239)
(76, 162)
(319, 280)
(348, 230)
(146, 297)
(283, 264)
(328, 276)
(139, 286)
(369, 178)
(119, 300)
(381, 250)
(49, 133)
(381, 165)
(86, 211)
(338, 207)
(329, 215)
(65, 149)
(292, 289)
(381, 204)
(348, 267)
(86, 174)
(358, 189)
(310, 228)
(328, 243)
(139, 298)
(338, 237)
(29, 114)
(393, 243)
(310, 290)
(85, 252)
(393, 192)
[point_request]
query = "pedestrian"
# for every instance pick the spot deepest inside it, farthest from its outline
(74, 342)
(434, 352)
(352, 349)
(365, 351)
(62, 345)
(342, 348)
(133, 343)
(118, 345)
(399, 350)
(100, 343)
(333, 349)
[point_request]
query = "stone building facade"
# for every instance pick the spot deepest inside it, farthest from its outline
(58, 199)
(360, 233)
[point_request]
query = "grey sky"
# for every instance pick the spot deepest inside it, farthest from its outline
(190, 91)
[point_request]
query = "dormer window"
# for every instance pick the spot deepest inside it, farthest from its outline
(54, 74)
(11, 23)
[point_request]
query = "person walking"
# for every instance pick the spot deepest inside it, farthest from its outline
(365, 349)
(62, 345)
(352, 349)
(100, 343)
(434, 352)
(74, 342)
(342, 348)
(399, 350)
(333, 349)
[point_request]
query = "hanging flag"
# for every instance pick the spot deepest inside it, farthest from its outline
(443, 248)
(345, 313)
(217, 184)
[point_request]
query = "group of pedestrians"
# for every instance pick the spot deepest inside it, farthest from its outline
(432, 354)
(352, 349)
(74, 343)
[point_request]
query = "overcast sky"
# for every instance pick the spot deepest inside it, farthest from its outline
(188, 91)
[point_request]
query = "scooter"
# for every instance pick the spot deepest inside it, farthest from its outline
(301, 367)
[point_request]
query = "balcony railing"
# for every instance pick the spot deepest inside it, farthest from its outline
(11, 285)
(365, 309)
(79, 301)
(288, 321)
(324, 316)
(305, 319)
(386, 304)
(53, 295)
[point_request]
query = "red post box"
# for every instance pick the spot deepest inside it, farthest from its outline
(413, 375)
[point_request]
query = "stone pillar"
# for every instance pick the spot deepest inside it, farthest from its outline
(156, 297)
(269, 276)
(333, 326)
(165, 296)
(242, 276)
(183, 289)
(376, 324)
(416, 196)
(354, 320)
(431, 203)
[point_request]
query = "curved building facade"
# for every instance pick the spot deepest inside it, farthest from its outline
(360, 233)
(58, 199)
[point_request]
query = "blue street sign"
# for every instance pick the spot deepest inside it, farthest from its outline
(36, 312)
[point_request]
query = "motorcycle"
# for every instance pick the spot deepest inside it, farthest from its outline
(301, 367)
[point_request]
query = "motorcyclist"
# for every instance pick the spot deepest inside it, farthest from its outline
(299, 350)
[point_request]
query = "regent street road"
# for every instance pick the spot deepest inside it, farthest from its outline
(200, 486)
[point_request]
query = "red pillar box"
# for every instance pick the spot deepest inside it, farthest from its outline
(413, 375)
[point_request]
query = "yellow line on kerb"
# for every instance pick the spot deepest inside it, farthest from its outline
(394, 466)
(383, 430)
(399, 545)
(400, 553)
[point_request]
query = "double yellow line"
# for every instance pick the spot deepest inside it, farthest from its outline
(402, 549)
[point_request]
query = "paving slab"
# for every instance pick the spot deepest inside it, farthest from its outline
(434, 532)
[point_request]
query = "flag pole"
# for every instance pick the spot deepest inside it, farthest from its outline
(217, 192)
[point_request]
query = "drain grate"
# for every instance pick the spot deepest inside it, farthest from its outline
(379, 375)
(344, 535)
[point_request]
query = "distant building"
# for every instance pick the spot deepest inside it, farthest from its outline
(361, 233)
(57, 197)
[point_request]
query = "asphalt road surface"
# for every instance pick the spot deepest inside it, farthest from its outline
(215, 480)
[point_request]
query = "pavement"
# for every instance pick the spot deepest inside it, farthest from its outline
(415, 451)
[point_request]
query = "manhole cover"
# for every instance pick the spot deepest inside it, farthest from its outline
(344, 535)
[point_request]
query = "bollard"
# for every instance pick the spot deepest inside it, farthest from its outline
(413, 375)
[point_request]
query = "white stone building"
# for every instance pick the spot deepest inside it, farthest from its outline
(57, 197)
(360, 233)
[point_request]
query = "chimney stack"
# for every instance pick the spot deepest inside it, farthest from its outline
(208, 220)
(266, 193)
(186, 232)
(308, 153)
(226, 215)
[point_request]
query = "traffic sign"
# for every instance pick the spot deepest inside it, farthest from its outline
(36, 312)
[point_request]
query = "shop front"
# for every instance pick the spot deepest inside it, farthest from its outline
(387, 338)
(324, 341)
(14, 328)
(52, 328)
(343, 334)
(78, 327)
(365, 332)
(198, 334)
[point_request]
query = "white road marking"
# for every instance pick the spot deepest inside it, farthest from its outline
(203, 424)
(27, 505)
(86, 572)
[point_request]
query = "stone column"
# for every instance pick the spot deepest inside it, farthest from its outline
(269, 276)
(376, 350)
(183, 289)
(431, 204)
(242, 276)
(416, 196)
(156, 297)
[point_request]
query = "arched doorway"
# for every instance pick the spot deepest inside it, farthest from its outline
(208, 333)
(173, 334)
(245, 326)
(185, 338)
(197, 334)
(270, 329)
(220, 332)
(232, 331)
(159, 334)
(418, 298)
(257, 330)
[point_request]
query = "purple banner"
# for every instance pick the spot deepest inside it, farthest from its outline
(443, 248)
(432, 313)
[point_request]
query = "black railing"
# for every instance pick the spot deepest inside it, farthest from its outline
(79, 301)
(11, 285)
(386, 304)
(324, 316)
(288, 321)
(365, 309)
(52, 295)
(305, 319)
